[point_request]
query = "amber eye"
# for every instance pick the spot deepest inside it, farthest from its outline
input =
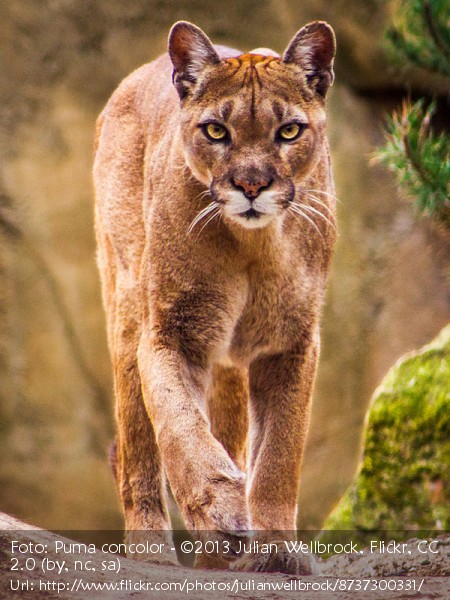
(215, 132)
(290, 131)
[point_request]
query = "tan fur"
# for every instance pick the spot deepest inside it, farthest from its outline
(213, 327)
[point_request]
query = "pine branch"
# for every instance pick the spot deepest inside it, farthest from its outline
(420, 34)
(419, 158)
(434, 32)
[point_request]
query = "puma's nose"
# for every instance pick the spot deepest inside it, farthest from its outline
(251, 189)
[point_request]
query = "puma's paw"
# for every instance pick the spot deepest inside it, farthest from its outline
(219, 514)
(276, 561)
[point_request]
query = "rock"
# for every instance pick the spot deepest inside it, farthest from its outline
(403, 479)
(82, 569)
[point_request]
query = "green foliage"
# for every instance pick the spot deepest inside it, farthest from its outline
(404, 480)
(419, 158)
(421, 34)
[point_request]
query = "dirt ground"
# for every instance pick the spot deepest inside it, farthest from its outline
(420, 570)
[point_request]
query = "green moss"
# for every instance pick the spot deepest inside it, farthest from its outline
(403, 479)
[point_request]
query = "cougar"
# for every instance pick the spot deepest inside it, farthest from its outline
(215, 222)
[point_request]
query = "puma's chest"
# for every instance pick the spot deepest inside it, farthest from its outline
(277, 315)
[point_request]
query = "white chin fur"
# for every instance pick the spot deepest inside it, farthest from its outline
(237, 204)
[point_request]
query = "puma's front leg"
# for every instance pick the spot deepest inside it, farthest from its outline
(207, 485)
(280, 393)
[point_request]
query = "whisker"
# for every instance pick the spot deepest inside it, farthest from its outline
(214, 215)
(203, 194)
(202, 214)
(317, 212)
(314, 199)
(208, 207)
(320, 192)
(298, 213)
(296, 209)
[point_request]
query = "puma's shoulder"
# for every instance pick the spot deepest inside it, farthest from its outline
(136, 94)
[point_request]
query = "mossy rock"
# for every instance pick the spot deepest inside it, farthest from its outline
(403, 479)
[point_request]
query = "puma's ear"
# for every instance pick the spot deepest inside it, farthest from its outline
(313, 49)
(190, 51)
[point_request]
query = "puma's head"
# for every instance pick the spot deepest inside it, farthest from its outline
(252, 125)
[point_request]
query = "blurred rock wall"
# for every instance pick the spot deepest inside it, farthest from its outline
(61, 59)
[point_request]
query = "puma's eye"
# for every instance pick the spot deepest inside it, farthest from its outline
(215, 132)
(291, 131)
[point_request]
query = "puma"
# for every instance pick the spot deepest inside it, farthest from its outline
(215, 222)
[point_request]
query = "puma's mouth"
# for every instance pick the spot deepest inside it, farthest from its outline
(251, 213)
(252, 218)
